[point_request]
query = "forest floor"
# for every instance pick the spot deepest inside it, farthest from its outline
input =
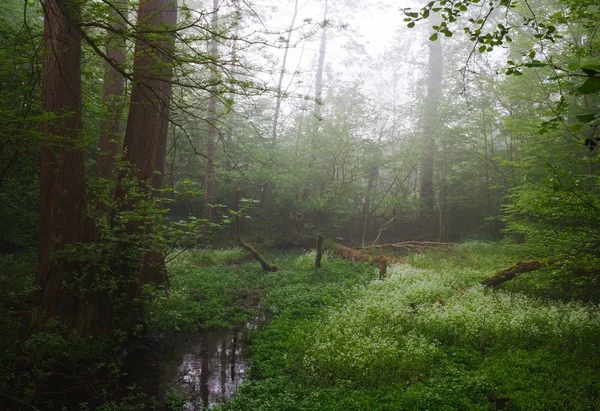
(428, 337)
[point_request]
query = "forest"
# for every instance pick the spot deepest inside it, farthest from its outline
(252, 205)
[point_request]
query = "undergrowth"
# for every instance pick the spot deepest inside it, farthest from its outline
(430, 337)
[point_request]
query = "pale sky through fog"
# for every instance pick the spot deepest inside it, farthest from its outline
(373, 27)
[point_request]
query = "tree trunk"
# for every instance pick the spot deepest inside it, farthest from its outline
(281, 75)
(319, 76)
(148, 120)
(211, 119)
(430, 130)
(111, 143)
(62, 179)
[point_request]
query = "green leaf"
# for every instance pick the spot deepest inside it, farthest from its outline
(594, 67)
(536, 64)
(482, 49)
(411, 25)
(591, 69)
(587, 118)
(433, 37)
(591, 85)
(576, 127)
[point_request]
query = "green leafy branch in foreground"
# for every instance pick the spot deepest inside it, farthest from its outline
(517, 16)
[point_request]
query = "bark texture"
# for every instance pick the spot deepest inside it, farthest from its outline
(320, 240)
(147, 124)
(62, 179)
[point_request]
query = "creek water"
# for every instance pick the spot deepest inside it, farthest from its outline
(208, 366)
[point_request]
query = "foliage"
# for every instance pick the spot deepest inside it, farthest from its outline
(20, 117)
(205, 292)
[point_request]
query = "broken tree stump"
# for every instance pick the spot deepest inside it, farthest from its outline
(382, 269)
(320, 240)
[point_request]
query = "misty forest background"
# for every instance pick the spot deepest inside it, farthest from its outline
(147, 146)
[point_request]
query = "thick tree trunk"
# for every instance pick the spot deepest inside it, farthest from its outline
(62, 180)
(111, 138)
(147, 124)
(211, 119)
(151, 91)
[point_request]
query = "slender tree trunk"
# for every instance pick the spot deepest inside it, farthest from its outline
(319, 76)
(373, 174)
(211, 119)
(111, 142)
(281, 75)
(62, 180)
(431, 128)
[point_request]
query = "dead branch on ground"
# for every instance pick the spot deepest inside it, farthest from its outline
(236, 237)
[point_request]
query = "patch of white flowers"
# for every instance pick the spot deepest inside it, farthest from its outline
(398, 328)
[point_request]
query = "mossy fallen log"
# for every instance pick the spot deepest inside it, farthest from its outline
(414, 246)
(515, 270)
(360, 256)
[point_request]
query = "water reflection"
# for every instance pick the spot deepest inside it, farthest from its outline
(208, 366)
(211, 367)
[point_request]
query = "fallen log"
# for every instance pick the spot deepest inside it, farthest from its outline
(266, 266)
(236, 237)
(360, 256)
(414, 246)
(516, 269)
